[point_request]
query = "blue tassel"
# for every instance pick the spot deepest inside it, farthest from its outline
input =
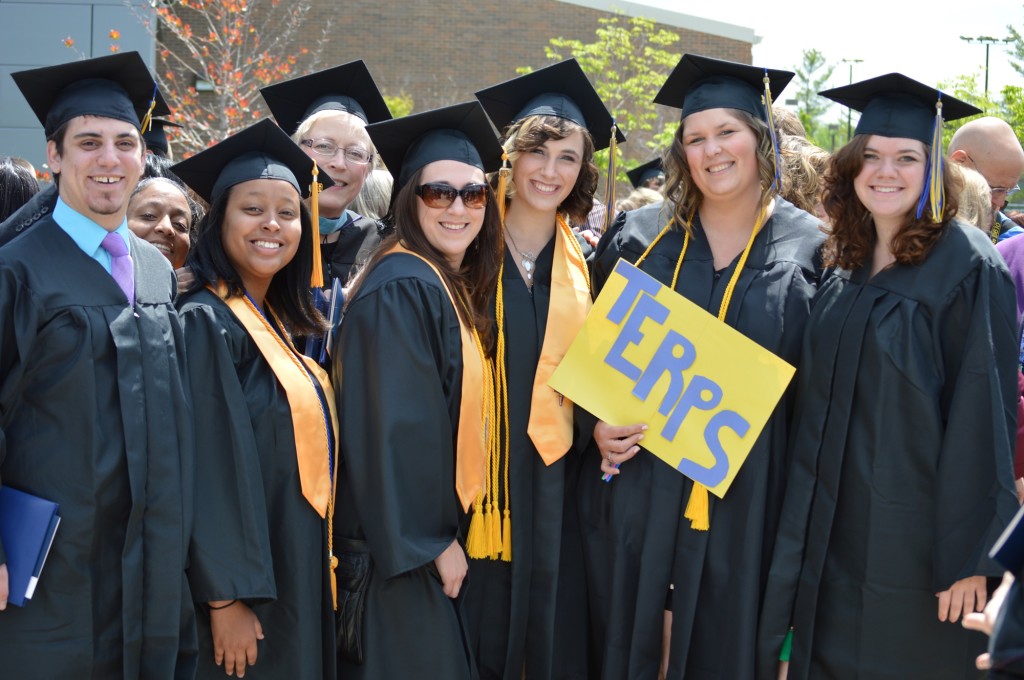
(934, 193)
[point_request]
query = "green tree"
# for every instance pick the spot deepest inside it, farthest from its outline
(812, 76)
(628, 63)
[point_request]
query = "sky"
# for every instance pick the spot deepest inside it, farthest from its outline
(889, 35)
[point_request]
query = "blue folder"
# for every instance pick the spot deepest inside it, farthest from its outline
(27, 527)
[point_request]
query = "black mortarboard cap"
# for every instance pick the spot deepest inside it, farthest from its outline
(348, 88)
(156, 136)
(561, 90)
(117, 86)
(261, 151)
(642, 173)
(699, 83)
(894, 105)
(454, 133)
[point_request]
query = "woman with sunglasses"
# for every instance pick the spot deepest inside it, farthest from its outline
(264, 420)
(902, 449)
(525, 599)
(726, 241)
(412, 369)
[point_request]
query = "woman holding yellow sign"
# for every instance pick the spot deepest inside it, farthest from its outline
(727, 242)
(903, 439)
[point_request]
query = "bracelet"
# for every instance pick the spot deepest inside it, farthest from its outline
(223, 606)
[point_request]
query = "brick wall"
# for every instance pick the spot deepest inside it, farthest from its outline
(441, 52)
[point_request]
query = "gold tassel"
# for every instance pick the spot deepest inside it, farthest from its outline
(697, 508)
(488, 531)
(495, 533)
(506, 544)
(316, 280)
(147, 120)
(503, 174)
(609, 212)
(475, 539)
(934, 194)
(334, 581)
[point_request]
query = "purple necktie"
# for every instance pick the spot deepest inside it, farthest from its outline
(120, 264)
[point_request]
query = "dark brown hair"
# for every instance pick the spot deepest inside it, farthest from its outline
(289, 292)
(852, 233)
(531, 132)
(472, 284)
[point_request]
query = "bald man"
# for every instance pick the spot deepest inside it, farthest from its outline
(990, 146)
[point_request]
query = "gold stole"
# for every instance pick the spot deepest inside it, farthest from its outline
(551, 418)
(308, 425)
(470, 452)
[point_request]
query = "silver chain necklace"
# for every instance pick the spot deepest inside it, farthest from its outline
(528, 259)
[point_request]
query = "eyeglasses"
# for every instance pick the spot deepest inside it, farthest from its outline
(996, 191)
(440, 195)
(327, 149)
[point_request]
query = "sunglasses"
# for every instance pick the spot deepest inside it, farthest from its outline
(438, 195)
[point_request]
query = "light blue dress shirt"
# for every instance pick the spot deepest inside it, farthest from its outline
(86, 234)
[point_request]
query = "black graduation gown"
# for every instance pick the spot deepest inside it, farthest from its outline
(638, 540)
(356, 242)
(94, 416)
(257, 539)
(901, 465)
(40, 205)
(531, 610)
(398, 362)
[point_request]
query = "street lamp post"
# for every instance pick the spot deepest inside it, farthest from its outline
(987, 41)
(849, 111)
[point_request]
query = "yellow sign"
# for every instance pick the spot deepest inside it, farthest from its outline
(648, 355)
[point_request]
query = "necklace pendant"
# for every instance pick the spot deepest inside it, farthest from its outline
(528, 265)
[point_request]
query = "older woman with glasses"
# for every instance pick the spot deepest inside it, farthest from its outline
(326, 113)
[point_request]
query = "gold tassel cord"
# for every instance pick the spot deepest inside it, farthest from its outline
(503, 174)
(147, 120)
(316, 279)
(484, 540)
(934, 193)
(609, 212)
(698, 509)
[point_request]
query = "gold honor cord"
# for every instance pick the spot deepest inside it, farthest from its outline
(474, 425)
(697, 508)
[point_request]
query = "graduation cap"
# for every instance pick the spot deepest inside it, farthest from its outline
(117, 86)
(642, 173)
(349, 88)
(894, 105)
(453, 133)
(261, 151)
(699, 83)
(156, 136)
(561, 90)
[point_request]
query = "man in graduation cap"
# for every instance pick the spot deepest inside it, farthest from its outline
(156, 139)
(650, 175)
(93, 410)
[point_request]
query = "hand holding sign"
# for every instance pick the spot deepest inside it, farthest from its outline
(648, 355)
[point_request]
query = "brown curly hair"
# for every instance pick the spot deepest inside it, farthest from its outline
(680, 188)
(531, 132)
(852, 234)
